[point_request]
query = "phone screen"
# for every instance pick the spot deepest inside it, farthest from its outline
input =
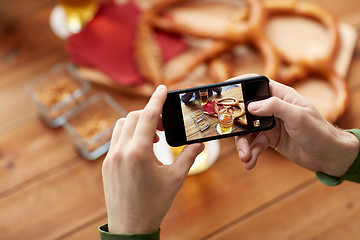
(214, 111)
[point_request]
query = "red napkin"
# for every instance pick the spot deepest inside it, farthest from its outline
(209, 107)
(107, 43)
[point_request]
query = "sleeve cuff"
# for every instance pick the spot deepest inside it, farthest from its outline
(105, 235)
(353, 174)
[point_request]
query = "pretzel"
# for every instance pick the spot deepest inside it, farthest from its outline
(237, 30)
(245, 26)
(232, 104)
(298, 69)
(229, 101)
(312, 11)
(147, 55)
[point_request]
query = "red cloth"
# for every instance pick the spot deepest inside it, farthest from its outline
(107, 43)
(210, 107)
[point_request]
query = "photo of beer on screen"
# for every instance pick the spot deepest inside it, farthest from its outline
(213, 111)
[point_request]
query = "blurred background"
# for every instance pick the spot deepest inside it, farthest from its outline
(69, 69)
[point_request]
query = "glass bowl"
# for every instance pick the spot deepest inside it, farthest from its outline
(57, 92)
(91, 125)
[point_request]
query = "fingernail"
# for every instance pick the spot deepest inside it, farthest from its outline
(254, 106)
(160, 88)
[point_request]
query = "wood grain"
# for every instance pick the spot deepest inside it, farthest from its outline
(31, 150)
(306, 214)
(54, 205)
(227, 192)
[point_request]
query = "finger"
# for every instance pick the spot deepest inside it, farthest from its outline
(275, 106)
(242, 144)
(260, 143)
(149, 117)
(287, 93)
(186, 158)
(116, 132)
(128, 127)
(117, 129)
(243, 76)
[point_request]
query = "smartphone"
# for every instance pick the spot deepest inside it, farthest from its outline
(215, 111)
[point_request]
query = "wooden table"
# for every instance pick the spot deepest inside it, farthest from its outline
(48, 192)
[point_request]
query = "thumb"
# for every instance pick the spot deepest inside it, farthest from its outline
(274, 106)
(187, 157)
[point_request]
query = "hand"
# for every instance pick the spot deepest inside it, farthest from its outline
(139, 190)
(301, 134)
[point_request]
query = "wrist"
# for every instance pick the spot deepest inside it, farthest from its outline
(347, 149)
(127, 227)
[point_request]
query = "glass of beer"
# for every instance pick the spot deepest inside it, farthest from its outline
(204, 97)
(201, 162)
(78, 13)
(225, 120)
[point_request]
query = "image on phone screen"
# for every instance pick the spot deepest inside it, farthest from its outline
(213, 111)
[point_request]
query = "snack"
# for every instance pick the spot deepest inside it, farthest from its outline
(213, 44)
(97, 124)
(57, 92)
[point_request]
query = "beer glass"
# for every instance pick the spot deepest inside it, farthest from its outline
(201, 163)
(204, 97)
(225, 120)
(78, 13)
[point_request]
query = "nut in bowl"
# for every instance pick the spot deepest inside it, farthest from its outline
(57, 92)
(91, 125)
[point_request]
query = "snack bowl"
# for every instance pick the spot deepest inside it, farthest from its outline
(91, 125)
(57, 92)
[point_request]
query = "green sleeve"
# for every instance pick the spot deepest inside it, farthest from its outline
(105, 235)
(353, 174)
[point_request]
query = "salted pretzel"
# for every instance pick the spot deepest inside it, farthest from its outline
(237, 32)
(312, 11)
(230, 104)
(300, 68)
(244, 27)
(228, 101)
(237, 29)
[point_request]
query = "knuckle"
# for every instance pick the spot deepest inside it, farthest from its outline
(105, 166)
(273, 101)
(119, 122)
(147, 115)
(133, 114)
(302, 117)
(134, 154)
(111, 160)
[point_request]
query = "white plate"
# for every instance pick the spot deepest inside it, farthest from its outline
(57, 22)
(219, 130)
(202, 162)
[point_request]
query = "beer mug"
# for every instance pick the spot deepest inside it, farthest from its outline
(78, 13)
(225, 120)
